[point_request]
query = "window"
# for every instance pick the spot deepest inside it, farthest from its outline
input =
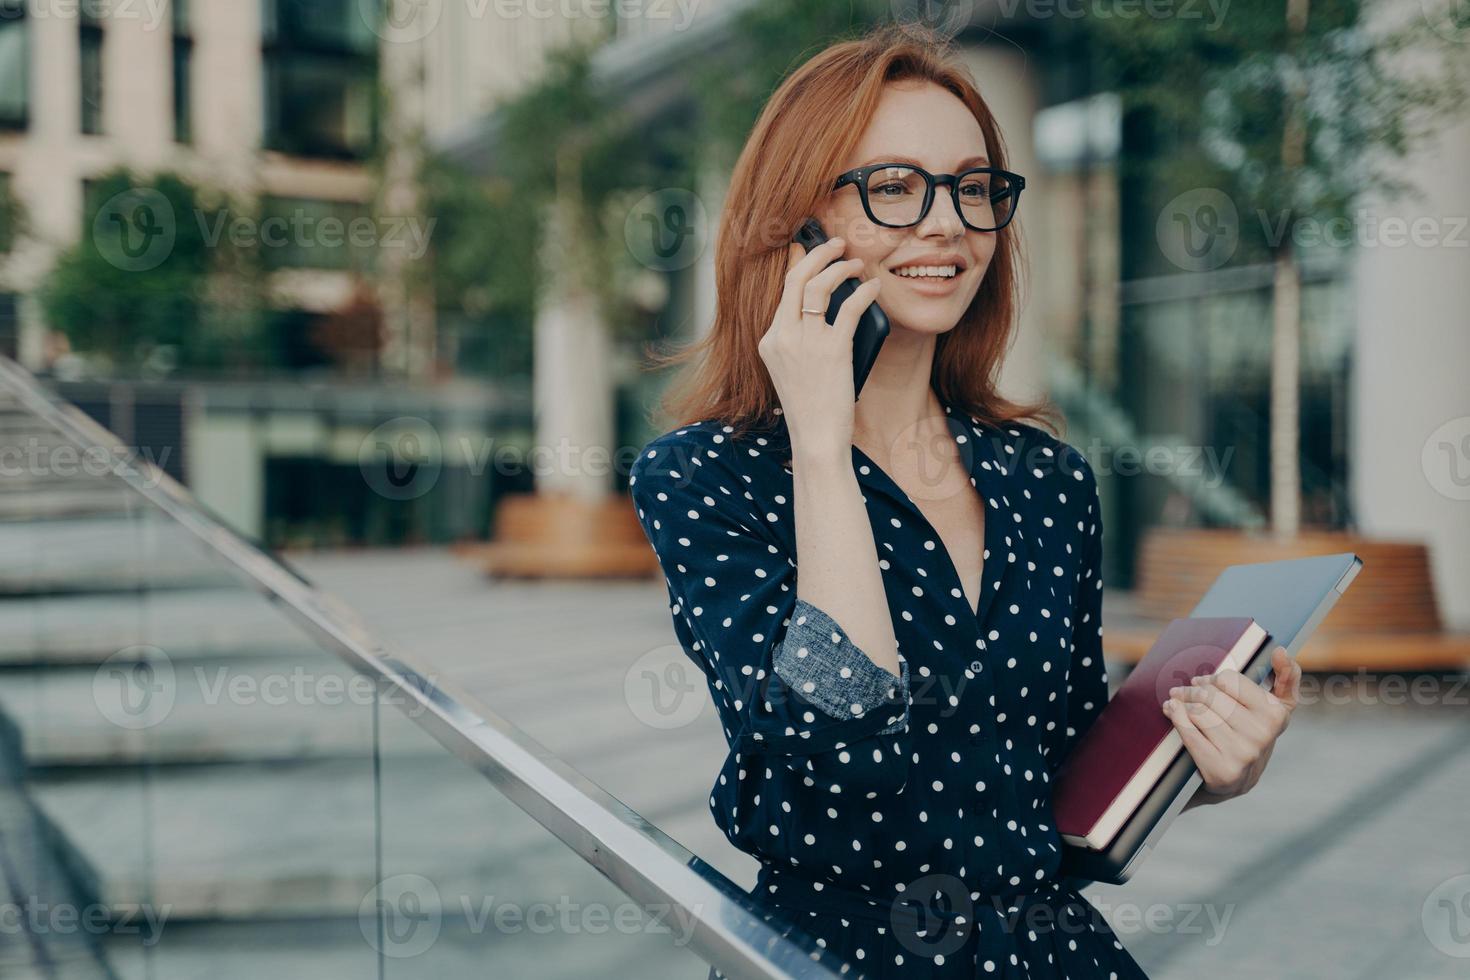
(304, 233)
(9, 325)
(321, 65)
(91, 202)
(90, 27)
(7, 214)
(183, 73)
(14, 64)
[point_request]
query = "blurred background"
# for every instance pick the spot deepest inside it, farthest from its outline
(373, 285)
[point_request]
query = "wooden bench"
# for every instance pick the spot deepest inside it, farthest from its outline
(559, 536)
(1387, 620)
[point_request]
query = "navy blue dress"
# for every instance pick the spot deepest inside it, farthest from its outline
(904, 821)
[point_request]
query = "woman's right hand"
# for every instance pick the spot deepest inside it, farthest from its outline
(810, 362)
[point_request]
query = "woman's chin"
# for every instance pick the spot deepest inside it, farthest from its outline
(928, 318)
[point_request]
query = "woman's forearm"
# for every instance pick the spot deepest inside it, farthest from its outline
(837, 560)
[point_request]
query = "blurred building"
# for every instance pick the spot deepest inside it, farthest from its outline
(272, 102)
(313, 109)
(308, 114)
(1142, 348)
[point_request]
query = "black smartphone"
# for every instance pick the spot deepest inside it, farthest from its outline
(872, 328)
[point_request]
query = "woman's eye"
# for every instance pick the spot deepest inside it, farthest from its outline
(977, 191)
(890, 190)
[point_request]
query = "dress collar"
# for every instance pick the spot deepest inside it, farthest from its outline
(987, 452)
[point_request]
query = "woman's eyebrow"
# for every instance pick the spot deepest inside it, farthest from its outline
(979, 161)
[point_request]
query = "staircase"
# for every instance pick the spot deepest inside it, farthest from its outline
(227, 795)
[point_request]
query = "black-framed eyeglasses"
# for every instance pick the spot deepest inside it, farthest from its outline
(899, 195)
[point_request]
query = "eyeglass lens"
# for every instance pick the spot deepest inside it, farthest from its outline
(896, 197)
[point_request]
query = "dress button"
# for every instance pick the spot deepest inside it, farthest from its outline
(975, 666)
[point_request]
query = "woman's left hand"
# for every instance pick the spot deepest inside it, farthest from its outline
(1230, 724)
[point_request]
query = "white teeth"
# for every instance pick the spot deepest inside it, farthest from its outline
(927, 271)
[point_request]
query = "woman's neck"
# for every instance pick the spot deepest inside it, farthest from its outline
(897, 403)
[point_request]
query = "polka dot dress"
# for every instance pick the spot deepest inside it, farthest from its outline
(904, 821)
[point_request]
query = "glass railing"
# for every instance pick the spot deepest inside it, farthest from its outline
(209, 768)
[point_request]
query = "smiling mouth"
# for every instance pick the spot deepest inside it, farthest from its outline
(927, 273)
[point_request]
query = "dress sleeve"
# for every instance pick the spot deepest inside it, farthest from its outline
(799, 691)
(1087, 678)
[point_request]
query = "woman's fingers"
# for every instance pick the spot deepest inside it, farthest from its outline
(1287, 687)
(856, 305)
(805, 357)
(1201, 749)
(1225, 705)
(801, 267)
(818, 292)
(1235, 684)
(1272, 711)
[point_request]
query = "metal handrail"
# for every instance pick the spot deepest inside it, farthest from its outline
(648, 865)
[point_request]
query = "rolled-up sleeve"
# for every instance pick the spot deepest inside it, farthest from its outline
(789, 682)
(816, 659)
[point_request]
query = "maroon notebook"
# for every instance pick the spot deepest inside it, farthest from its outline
(1119, 759)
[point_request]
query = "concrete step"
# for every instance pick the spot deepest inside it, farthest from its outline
(454, 944)
(305, 703)
(263, 709)
(183, 624)
(257, 840)
(104, 554)
(25, 433)
(66, 501)
(38, 939)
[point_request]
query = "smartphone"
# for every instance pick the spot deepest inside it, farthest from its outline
(872, 328)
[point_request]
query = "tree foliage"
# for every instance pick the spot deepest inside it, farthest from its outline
(1218, 100)
(151, 281)
(492, 228)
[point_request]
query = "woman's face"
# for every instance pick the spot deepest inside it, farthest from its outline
(922, 123)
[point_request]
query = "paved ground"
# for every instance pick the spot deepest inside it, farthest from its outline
(1350, 859)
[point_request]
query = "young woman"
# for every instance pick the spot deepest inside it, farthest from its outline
(896, 712)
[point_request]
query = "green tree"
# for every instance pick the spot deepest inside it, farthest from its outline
(154, 279)
(559, 142)
(13, 222)
(1288, 114)
(772, 38)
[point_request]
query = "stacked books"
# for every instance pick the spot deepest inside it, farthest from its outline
(1111, 770)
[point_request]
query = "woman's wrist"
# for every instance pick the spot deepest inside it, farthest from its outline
(825, 457)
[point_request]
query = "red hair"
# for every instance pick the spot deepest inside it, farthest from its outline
(808, 127)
